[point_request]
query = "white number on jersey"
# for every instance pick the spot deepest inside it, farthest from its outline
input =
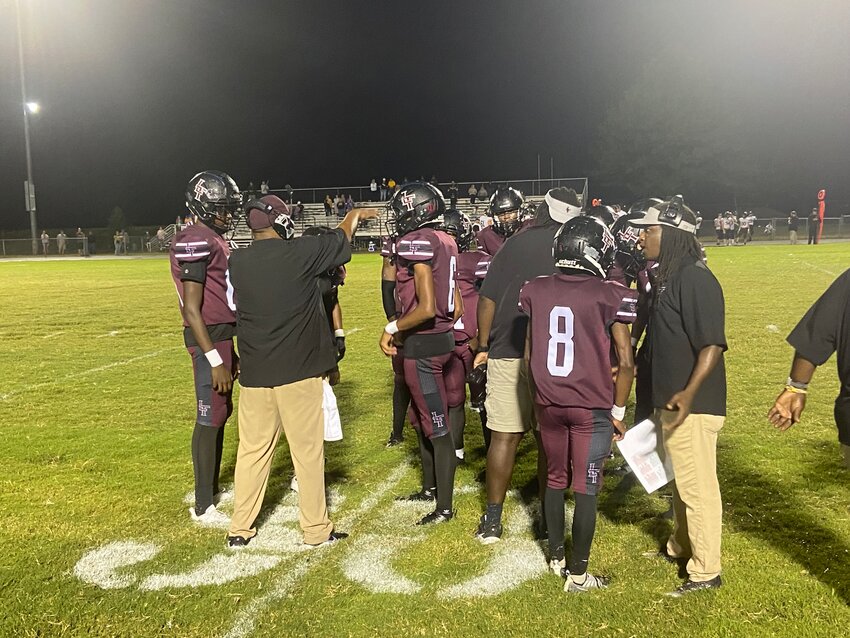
(452, 283)
(560, 334)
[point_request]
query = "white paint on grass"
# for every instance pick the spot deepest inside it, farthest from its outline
(101, 566)
(76, 375)
(820, 268)
(368, 563)
(247, 617)
(352, 331)
(771, 328)
(218, 570)
(111, 333)
(53, 334)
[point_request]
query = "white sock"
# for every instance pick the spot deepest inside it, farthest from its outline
(459, 453)
(581, 579)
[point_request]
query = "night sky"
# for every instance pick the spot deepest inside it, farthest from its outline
(137, 96)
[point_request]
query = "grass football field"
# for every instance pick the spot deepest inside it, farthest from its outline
(96, 412)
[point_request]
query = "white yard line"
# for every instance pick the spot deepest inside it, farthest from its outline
(111, 333)
(82, 373)
(352, 331)
(53, 334)
(247, 617)
(818, 268)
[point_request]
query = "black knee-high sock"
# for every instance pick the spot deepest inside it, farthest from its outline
(457, 424)
(484, 429)
(203, 460)
(584, 527)
(553, 506)
(445, 463)
(401, 401)
(219, 448)
(426, 455)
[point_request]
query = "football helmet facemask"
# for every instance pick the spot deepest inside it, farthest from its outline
(214, 199)
(413, 206)
(584, 243)
(277, 213)
(459, 227)
(504, 208)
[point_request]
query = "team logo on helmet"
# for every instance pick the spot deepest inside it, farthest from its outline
(628, 233)
(201, 189)
(407, 200)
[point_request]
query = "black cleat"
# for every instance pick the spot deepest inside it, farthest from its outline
(424, 495)
(691, 586)
(237, 542)
(488, 532)
(395, 440)
(437, 516)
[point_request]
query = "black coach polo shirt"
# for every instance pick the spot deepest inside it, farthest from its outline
(688, 315)
(281, 325)
(825, 329)
(524, 256)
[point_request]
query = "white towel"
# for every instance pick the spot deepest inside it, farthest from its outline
(333, 426)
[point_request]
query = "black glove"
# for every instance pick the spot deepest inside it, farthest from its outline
(340, 348)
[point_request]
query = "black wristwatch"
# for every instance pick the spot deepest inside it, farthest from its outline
(484, 348)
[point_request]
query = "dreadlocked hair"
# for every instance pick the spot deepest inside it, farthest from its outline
(678, 247)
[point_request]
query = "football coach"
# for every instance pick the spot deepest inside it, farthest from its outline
(285, 349)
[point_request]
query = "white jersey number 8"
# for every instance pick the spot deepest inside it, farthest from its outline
(452, 282)
(560, 337)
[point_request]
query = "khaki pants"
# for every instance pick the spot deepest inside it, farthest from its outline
(509, 402)
(295, 408)
(698, 509)
(792, 236)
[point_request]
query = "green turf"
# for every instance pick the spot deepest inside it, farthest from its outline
(96, 416)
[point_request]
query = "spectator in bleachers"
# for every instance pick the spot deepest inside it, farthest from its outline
(482, 193)
(473, 193)
(329, 206)
(383, 189)
(349, 203)
(453, 195)
(373, 190)
(264, 187)
(339, 203)
(160, 237)
(391, 187)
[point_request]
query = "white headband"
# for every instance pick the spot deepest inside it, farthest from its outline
(561, 211)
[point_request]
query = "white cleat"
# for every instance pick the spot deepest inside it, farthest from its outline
(210, 518)
(293, 484)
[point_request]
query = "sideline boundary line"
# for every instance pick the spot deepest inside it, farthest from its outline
(246, 618)
(83, 373)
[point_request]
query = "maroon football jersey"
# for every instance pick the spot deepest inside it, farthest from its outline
(570, 317)
(471, 269)
(199, 243)
(489, 240)
(388, 247)
(440, 250)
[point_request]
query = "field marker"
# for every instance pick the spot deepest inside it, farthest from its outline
(368, 564)
(247, 617)
(218, 570)
(772, 328)
(111, 333)
(814, 267)
(83, 373)
(99, 566)
(53, 334)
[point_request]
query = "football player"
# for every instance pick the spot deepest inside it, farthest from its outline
(471, 270)
(199, 266)
(329, 285)
(430, 304)
(573, 318)
(504, 208)
(401, 393)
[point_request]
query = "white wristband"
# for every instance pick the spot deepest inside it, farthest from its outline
(214, 358)
(618, 412)
(339, 333)
(391, 328)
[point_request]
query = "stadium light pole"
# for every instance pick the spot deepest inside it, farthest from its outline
(28, 107)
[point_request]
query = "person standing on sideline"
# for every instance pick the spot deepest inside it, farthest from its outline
(718, 229)
(574, 319)
(198, 258)
(823, 330)
(116, 241)
(81, 238)
(814, 226)
(430, 303)
(501, 345)
(60, 242)
(793, 227)
(285, 348)
(45, 242)
(686, 334)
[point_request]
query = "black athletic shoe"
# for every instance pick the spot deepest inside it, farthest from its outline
(488, 532)
(395, 440)
(425, 495)
(437, 516)
(237, 542)
(663, 555)
(691, 586)
(333, 538)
